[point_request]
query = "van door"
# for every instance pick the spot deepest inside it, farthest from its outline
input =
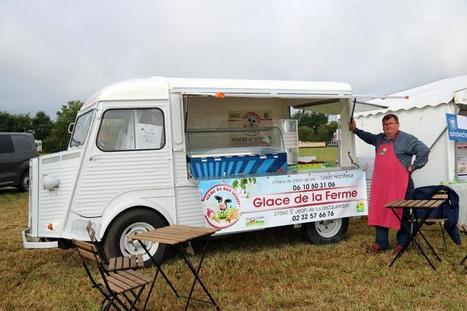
(130, 158)
(55, 182)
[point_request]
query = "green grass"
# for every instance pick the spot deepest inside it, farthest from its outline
(325, 154)
(264, 270)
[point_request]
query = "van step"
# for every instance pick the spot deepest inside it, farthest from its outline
(33, 242)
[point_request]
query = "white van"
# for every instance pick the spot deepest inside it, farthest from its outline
(151, 152)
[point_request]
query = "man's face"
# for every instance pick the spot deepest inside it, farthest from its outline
(390, 127)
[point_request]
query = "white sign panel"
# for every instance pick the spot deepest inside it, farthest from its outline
(247, 203)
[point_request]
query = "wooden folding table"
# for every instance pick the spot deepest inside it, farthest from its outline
(416, 224)
(176, 236)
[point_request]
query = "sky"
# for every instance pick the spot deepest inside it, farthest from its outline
(55, 51)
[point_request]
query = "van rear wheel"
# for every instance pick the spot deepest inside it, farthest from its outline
(325, 231)
(116, 242)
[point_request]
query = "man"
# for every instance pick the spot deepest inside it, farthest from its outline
(391, 178)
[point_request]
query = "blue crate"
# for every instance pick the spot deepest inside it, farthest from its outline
(203, 167)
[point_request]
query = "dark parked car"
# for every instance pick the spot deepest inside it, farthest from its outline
(15, 151)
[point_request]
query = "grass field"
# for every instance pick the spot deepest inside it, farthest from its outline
(325, 154)
(265, 270)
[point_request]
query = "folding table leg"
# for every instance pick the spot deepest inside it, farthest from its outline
(417, 231)
(424, 254)
(413, 233)
(429, 245)
(158, 268)
(196, 275)
(404, 248)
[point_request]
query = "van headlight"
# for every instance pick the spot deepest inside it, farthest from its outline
(50, 182)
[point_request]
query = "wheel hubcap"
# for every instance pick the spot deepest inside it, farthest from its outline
(328, 228)
(130, 247)
(26, 183)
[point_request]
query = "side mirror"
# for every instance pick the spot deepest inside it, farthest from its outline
(71, 127)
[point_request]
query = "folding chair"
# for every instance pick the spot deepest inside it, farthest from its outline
(114, 286)
(113, 264)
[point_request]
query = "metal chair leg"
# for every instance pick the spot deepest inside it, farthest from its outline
(136, 298)
(445, 246)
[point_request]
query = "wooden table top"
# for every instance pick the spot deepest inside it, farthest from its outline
(425, 204)
(173, 234)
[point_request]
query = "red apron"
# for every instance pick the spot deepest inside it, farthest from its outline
(389, 183)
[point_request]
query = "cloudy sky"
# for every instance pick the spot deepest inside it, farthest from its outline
(59, 50)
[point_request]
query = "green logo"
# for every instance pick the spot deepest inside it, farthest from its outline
(361, 206)
(255, 221)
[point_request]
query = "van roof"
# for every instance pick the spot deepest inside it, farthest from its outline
(160, 87)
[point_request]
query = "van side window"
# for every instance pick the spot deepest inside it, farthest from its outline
(80, 131)
(6, 145)
(23, 143)
(131, 129)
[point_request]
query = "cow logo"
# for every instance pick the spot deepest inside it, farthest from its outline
(222, 206)
(251, 120)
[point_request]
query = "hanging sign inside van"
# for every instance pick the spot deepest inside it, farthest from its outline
(457, 127)
(248, 120)
(246, 203)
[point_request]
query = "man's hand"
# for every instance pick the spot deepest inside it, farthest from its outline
(410, 169)
(352, 125)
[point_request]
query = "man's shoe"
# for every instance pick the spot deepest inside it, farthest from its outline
(397, 249)
(375, 249)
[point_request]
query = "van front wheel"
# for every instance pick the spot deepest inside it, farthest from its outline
(325, 231)
(116, 242)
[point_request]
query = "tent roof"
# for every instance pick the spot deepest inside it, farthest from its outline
(431, 94)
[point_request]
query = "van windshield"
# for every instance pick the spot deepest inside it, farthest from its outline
(81, 129)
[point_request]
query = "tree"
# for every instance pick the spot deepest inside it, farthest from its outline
(23, 123)
(312, 126)
(325, 131)
(305, 133)
(42, 125)
(311, 119)
(59, 139)
(15, 122)
(6, 122)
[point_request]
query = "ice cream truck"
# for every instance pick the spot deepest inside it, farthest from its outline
(152, 152)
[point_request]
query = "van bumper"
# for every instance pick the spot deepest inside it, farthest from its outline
(31, 242)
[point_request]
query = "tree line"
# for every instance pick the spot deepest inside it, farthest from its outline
(54, 134)
(55, 137)
(314, 126)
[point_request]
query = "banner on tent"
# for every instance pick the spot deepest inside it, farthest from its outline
(457, 127)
